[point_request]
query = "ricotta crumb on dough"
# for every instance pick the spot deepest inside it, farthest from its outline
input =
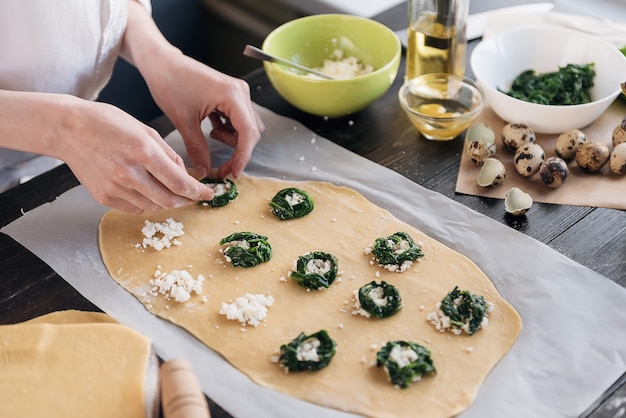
(178, 284)
(248, 309)
(160, 235)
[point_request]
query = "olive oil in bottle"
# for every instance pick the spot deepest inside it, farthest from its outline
(436, 37)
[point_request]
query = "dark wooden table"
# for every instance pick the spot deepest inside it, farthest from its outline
(594, 237)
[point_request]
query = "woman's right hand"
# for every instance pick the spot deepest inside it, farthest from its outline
(126, 164)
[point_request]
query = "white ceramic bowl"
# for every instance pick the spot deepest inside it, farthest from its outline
(497, 60)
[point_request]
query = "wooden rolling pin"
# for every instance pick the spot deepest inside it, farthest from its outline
(181, 396)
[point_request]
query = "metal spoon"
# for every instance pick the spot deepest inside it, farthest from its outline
(254, 52)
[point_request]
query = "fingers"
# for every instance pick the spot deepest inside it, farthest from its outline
(136, 190)
(243, 140)
(197, 149)
(171, 186)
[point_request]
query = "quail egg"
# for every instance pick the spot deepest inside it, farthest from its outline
(517, 202)
(568, 143)
(592, 156)
(528, 159)
(492, 173)
(515, 135)
(554, 172)
(481, 143)
(619, 133)
(478, 151)
(618, 159)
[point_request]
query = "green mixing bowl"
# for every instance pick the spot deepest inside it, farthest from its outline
(311, 40)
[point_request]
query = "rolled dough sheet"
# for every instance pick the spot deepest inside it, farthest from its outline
(343, 223)
(72, 364)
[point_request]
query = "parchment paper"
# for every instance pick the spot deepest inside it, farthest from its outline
(601, 189)
(571, 349)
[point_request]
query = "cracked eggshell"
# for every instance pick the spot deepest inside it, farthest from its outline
(618, 159)
(481, 142)
(517, 202)
(569, 142)
(592, 156)
(480, 132)
(492, 173)
(554, 172)
(528, 159)
(515, 135)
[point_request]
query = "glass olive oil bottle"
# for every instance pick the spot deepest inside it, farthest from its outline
(437, 39)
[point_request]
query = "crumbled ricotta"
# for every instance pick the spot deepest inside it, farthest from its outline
(160, 235)
(317, 266)
(442, 323)
(397, 248)
(249, 309)
(358, 309)
(342, 68)
(294, 198)
(307, 351)
(402, 356)
(178, 284)
(220, 189)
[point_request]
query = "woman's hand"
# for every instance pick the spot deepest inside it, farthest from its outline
(188, 92)
(122, 162)
(127, 165)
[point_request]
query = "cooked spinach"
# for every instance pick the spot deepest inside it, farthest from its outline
(396, 249)
(308, 352)
(463, 307)
(405, 362)
(569, 85)
(291, 203)
(315, 270)
(247, 249)
(380, 300)
(225, 192)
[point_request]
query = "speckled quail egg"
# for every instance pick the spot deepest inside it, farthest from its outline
(517, 202)
(618, 159)
(592, 156)
(619, 133)
(481, 142)
(554, 172)
(568, 143)
(492, 173)
(515, 135)
(478, 151)
(528, 159)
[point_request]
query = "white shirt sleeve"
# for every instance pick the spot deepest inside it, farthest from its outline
(56, 47)
(60, 48)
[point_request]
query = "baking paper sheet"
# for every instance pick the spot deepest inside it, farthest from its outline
(572, 346)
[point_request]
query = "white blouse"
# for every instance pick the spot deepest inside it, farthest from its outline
(67, 46)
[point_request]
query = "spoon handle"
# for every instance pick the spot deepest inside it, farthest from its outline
(254, 52)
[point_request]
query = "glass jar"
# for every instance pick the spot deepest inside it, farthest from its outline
(437, 39)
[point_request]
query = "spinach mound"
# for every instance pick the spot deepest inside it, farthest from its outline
(570, 85)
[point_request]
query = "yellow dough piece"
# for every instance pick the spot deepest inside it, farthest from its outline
(72, 364)
(343, 223)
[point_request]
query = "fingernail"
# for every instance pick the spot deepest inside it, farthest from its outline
(207, 193)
